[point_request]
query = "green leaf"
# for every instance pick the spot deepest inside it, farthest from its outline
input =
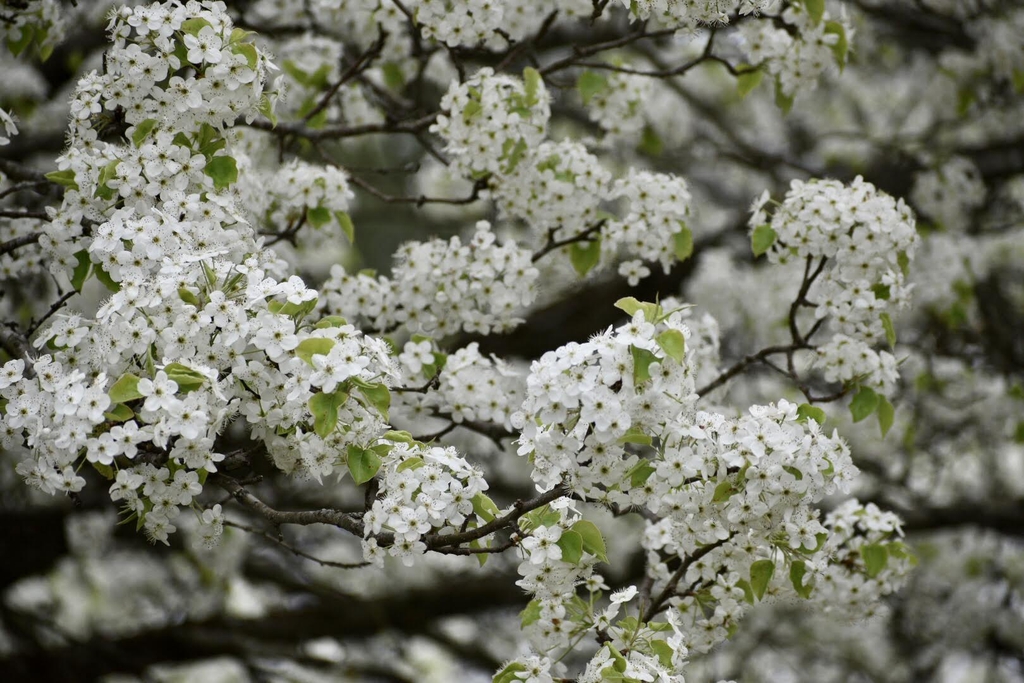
(125, 389)
(746, 81)
(378, 396)
(651, 143)
(104, 277)
(318, 216)
(761, 573)
(571, 544)
(313, 346)
(186, 378)
(640, 473)
(593, 540)
(532, 82)
(673, 343)
(247, 50)
(81, 271)
(806, 411)
(815, 10)
(903, 260)
(635, 435)
(267, 109)
(363, 464)
(63, 178)
(399, 437)
(652, 312)
(324, 408)
(485, 508)
(530, 613)
(842, 46)
(683, 243)
(782, 100)
(590, 83)
(875, 556)
(194, 25)
(890, 331)
(142, 131)
(585, 255)
(347, 227)
(886, 415)
(513, 154)
(863, 404)
(748, 592)
(723, 491)
(105, 470)
(762, 239)
(797, 474)
(119, 413)
(188, 296)
(642, 361)
(508, 674)
(664, 652)
(223, 170)
(797, 570)
(109, 172)
(24, 40)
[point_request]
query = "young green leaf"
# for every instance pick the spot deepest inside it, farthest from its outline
(223, 170)
(593, 541)
(584, 256)
(762, 239)
(125, 389)
(683, 243)
(314, 346)
(761, 573)
(875, 556)
(642, 361)
(571, 544)
(863, 404)
(673, 343)
(363, 464)
(746, 81)
(886, 415)
(806, 411)
(797, 570)
(589, 84)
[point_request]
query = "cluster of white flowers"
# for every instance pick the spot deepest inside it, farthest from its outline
(868, 561)
(614, 420)
(311, 65)
(492, 120)
(470, 386)
(299, 191)
(441, 286)
(556, 189)
(948, 194)
(796, 53)
(427, 490)
(32, 22)
(618, 106)
(999, 44)
(559, 190)
(177, 75)
(843, 359)
(654, 228)
(586, 402)
(465, 22)
(10, 128)
(679, 13)
(860, 242)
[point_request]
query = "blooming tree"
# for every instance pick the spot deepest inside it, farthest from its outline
(595, 419)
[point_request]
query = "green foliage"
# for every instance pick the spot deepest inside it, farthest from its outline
(363, 464)
(125, 389)
(863, 404)
(584, 256)
(761, 573)
(590, 83)
(762, 239)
